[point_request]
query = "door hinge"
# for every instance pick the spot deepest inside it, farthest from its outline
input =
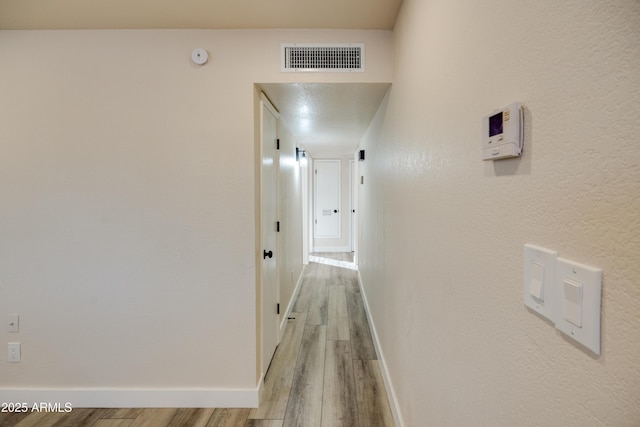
(277, 226)
(278, 144)
(278, 308)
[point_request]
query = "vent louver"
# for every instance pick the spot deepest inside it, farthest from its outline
(334, 57)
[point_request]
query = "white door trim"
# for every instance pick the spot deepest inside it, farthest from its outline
(333, 210)
(269, 288)
(269, 105)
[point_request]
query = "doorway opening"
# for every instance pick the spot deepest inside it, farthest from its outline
(327, 121)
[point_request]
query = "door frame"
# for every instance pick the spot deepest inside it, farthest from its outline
(339, 197)
(263, 364)
(355, 210)
(352, 206)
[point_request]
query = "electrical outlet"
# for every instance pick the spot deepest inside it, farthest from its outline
(14, 352)
(13, 323)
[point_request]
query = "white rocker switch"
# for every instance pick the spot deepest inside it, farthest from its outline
(572, 304)
(539, 280)
(536, 287)
(578, 293)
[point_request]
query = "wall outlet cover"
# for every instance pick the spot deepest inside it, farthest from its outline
(14, 352)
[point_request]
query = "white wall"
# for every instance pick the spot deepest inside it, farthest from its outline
(442, 232)
(127, 221)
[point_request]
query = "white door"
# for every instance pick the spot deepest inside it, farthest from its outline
(352, 206)
(327, 199)
(269, 125)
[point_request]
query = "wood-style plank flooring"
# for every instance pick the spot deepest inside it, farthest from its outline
(325, 372)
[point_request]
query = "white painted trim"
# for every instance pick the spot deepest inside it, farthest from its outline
(260, 388)
(315, 199)
(296, 290)
(352, 206)
(269, 105)
(135, 398)
(311, 203)
(306, 222)
(393, 400)
(356, 197)
(331, 249)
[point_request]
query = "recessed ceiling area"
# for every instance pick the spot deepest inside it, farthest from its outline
(197, 14)
(327, 119)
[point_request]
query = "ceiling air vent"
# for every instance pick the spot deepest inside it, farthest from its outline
(332, 57)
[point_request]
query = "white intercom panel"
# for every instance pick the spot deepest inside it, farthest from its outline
(503, 133)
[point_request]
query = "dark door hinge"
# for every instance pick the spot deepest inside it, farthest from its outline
(278, 308)
(277, 226)
(278, 144)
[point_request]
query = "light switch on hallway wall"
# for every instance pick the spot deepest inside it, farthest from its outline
(572, 302)
(578, 291)
(565, 292)
(13, 323)
(536, 285)
(539, 271)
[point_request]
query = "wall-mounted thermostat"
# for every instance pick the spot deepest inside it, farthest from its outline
(199, 56)
(503, 133)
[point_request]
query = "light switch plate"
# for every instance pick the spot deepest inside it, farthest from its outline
(572, 302)
(572, 277)
(539, 273)
(13, 323)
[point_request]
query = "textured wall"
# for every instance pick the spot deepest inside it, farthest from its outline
(442, 232)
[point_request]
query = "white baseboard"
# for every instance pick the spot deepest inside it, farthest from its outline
(296, 290)
(393, 400)
(134, 398)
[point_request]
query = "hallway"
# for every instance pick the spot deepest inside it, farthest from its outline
(324, 372)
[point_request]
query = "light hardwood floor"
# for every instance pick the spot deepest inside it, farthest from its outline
(338, 256)
(325, 372)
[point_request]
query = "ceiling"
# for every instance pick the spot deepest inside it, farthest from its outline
(326, 119)
(197, 14)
